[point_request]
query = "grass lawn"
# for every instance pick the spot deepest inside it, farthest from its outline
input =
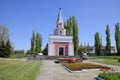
(19, 70)
(17, 56)
(108, 60)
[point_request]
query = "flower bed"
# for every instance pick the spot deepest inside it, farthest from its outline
(70, 60)
(81, 65)
(109, 76)
(109, 69)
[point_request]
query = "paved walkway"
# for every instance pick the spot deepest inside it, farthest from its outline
(53, 71)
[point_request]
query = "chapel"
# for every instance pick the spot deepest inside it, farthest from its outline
(60, 44)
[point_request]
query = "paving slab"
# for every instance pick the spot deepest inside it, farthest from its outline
(52, 71)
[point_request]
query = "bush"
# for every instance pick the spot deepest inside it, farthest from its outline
(110, 76)
(118, 60)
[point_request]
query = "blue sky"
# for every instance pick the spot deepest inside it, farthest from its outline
(23, 16)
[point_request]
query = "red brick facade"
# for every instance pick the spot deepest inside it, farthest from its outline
(60, 44)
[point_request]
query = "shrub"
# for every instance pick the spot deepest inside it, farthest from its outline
(110, 75)
(118, 60)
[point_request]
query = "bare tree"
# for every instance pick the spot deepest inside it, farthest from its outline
(4, 33)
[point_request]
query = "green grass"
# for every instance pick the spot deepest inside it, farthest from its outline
(19, 70)
(109, 61)
(109, 57)
(112, 60)
(17, 56)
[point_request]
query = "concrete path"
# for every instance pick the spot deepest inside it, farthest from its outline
(53, 71)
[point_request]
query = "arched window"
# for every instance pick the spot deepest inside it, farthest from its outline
(60, 32)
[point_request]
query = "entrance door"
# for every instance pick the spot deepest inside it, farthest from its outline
(61, 51)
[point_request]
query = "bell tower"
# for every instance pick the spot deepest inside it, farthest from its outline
(60, 30)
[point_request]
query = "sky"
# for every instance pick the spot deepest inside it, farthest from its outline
(23, 16)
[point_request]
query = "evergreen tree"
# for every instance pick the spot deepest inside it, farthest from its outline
(108, 44)
(8, 48)
(3, 49)
(117, 37)
(97, 44)
(45, 51)
(33, 42)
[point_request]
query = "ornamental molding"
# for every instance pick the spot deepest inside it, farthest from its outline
(60, 39)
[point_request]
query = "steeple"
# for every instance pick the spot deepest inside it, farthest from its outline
(59, 19)
(60, 30)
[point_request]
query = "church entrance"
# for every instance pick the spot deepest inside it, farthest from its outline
(61, 51)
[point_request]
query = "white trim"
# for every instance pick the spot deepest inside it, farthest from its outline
(51, 49)
(70, 50)
(63, 50)
(60, 38)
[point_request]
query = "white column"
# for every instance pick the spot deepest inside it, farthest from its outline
(50, 49)
(70, 49)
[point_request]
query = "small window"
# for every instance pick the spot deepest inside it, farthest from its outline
(60, 32)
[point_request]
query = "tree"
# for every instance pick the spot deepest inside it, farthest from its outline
(37, 49)
(4, 33)
(8, 48)
(88, 48)
(5, 45)
(70, 27)
(65, 26)
(100, 47)
(84, 48)
(38, 43)
(2, 49)
(5, 49)
(75, 36)
(108, 41)
(97, 44)
(45, 51)
(40, 40)
(72, 30)
(33, 42)
(117, 37)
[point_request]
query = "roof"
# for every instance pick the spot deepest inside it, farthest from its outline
(60, 18)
